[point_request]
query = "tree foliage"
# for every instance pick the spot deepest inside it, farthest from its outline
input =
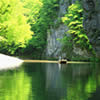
(14, 30)
(40, 16)
(19, 19)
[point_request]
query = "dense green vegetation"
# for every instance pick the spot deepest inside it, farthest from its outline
(47, 13)
(24, 24)
(14, 30)
(74, 20)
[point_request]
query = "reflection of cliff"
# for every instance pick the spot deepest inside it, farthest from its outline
(34, 71)
(53, 76)
(54, 84)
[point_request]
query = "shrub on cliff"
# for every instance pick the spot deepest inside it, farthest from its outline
(74, 20)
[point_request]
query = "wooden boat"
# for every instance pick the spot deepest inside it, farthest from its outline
(63, 61)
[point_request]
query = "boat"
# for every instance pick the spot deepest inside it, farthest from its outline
(63, 61)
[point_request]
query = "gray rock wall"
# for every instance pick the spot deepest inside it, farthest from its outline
(54, 47)
(92, 23)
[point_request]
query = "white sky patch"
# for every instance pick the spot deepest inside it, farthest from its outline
(8, 62)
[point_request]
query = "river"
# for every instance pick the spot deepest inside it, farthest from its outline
(32, 81)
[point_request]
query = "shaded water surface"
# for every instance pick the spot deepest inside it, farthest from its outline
(51, 82)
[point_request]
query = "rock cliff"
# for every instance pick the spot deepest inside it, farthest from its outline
(57, 31)
(92, 23)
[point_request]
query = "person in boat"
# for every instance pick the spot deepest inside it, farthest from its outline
(62, 60)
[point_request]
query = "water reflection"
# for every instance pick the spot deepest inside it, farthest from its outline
(81, 81)
(51, 82)
(53, 76)
(54, 83)
(14, 85)
(36, 73)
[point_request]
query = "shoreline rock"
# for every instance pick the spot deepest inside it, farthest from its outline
(9, 62)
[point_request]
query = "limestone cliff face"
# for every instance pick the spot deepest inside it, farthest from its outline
(57, 31)
(54, 47)
(92, 23)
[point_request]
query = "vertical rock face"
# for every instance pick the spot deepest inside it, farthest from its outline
(91, 23)
(54, 45)
(57, 31)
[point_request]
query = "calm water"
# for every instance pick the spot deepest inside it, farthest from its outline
(51, 82)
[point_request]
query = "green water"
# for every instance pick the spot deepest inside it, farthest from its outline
(51, 82)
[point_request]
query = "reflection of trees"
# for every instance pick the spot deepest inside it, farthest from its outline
(25, 83)
(81, 81)
(34, 71)
(14, 85)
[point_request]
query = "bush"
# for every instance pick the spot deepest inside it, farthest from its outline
(74, 20)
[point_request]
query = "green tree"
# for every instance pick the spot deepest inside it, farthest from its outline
(40, 14)
(13, 26)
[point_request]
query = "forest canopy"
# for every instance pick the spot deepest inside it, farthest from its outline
(24, 23)
(14, 30)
